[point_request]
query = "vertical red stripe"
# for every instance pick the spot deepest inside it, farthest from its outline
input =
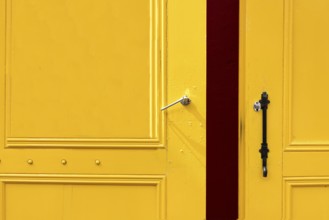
(222, 109)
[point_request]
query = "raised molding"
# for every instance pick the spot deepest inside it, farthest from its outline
(291, 145)
(157, 91)
(290, 182)
(83, 143)
(134, 180)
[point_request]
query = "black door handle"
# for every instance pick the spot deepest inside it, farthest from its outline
(263, 104)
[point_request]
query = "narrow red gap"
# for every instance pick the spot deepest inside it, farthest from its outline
(222, 109)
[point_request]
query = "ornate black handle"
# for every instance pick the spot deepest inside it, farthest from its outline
(263, 104)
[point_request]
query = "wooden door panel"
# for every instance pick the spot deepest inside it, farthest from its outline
(305, 75)
(292, 40)
(83, 197)
(306, 198)
(306, 146)
(83, 75)
(83, 70)
(81, 86)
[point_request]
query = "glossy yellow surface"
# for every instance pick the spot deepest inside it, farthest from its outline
(284, 51)
(82, 134)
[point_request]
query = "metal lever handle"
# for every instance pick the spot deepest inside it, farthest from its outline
(184, 101)
(262, 105)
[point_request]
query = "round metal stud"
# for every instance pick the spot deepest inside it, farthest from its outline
(30, 161)
(64, 162)
(97, 162)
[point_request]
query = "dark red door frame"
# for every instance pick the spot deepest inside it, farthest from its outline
(222, 109)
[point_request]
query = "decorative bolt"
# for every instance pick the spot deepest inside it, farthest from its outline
(64, 162)
(30, 161)
(97, 162)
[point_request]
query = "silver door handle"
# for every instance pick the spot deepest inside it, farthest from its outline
(184, 101)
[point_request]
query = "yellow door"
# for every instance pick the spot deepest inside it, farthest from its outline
(82, 135)
(284, 52)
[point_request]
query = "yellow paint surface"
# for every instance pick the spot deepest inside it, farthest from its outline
(82, 84)
(284, 51)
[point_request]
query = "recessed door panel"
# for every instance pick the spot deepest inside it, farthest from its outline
(85, 69)
(47, 197)
(301, 195)
(306, 69)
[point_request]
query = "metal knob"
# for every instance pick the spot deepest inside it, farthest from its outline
(184, 101)
(257, 106)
